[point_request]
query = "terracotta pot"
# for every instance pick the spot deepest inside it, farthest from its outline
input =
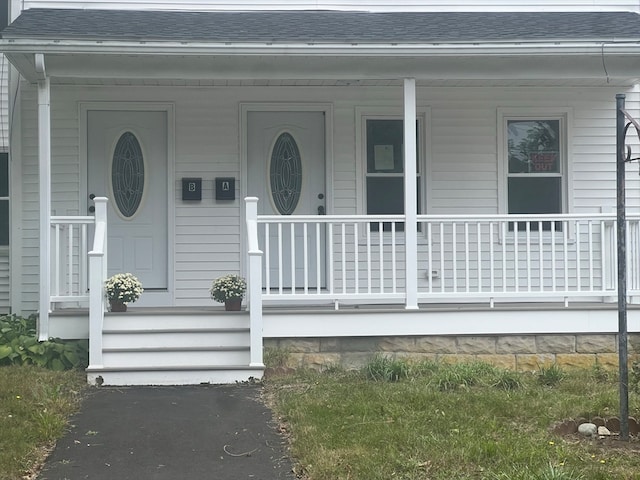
(233, 304)
(117, 306)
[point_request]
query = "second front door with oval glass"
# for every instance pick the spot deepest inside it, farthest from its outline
(286, 164)
(127, 162)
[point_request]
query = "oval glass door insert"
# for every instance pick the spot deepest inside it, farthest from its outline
(127, 174)
(285, 174)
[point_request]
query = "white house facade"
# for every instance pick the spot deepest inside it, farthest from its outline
(272, 141)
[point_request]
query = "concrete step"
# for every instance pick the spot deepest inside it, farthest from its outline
(182, 357)
(213, 374)
(175, 337)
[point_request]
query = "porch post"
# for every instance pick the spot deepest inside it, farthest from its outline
(97, 276)
(255, 284)
(44, 171)
(410, 195)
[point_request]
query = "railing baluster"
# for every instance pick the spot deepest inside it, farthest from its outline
(305, 257)
(55, 288)
(369, 276)
(478, 240)
(69, 289)
(541, 255)
(516, 257)
(467, 257)
(267, 259)
(319, 255)
(331, 266)
(343, 257)
(578, 232)
(381, 255)
(292, 254)
(393, 257)
(565, 242)
(356, 259)
(454, 249)
(492, 259)
(442, 253)
(429, 258)
(280, 266)
(83, 286)
(528, 254)
(553, 256)
(503, 228)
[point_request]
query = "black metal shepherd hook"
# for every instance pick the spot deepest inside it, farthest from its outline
(624, 121)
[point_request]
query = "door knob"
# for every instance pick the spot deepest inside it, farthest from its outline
(92, 196)
(92, 209)
(320, 210)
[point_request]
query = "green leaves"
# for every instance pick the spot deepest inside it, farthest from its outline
(19, 346)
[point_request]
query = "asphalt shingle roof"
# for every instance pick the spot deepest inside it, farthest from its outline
(323, 26)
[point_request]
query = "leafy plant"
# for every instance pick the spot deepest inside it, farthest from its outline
(19, 346)
(551, 375)
(383, 368)
(276, 357)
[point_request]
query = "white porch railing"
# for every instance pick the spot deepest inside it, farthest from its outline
(360, 258)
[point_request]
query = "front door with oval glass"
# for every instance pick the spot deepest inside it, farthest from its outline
(286, 163)
(127, 162)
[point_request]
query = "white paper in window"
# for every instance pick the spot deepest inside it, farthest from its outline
(383, 157)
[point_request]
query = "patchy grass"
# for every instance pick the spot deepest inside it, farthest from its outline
(35, 404)
(442, 422)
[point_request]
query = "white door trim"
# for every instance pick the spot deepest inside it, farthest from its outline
(168, 298)
(245, 108)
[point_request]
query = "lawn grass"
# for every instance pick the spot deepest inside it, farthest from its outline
(35, 405)
(437, 421)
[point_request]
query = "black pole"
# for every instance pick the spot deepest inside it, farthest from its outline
(622, 271)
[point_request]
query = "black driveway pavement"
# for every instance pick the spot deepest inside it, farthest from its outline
(199, 432)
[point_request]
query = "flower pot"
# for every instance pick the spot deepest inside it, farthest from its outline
(117, 306)
(233, 304)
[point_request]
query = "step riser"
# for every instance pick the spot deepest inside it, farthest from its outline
(175, 359)
(176, 339)
(182, 377)
(123, 321)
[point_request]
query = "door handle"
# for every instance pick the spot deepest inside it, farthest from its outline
(320, 210)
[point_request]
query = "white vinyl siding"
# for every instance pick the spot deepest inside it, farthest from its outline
(362, 5)
(461, 169)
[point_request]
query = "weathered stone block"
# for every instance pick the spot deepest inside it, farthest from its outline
(416, 357)
(356, 344)
(457, 358)
(516, 344)
(397, 344)
(331, 344)
(318, 361)
(502, 361)
(555, 343)
(476, 345)
(596, 343)
(633, 342)
(350, 360)
(533, 362)
(576, 360)
(300, 345)
(607, 360)
(437, 344)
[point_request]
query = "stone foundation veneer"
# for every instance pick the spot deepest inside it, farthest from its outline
(516, 352)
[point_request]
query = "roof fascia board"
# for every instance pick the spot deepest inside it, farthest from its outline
(194, 48)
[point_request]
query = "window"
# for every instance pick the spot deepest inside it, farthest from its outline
(535, 157)
(4, 199)
(385, 168)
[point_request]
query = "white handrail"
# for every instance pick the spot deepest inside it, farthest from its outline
(97, 277)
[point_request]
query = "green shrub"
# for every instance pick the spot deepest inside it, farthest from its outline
(19, 346)
(386, 369)
(551, 375)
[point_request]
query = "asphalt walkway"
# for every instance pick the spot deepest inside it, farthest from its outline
(200, 432)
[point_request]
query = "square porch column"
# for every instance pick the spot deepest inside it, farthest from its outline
(410, 195)
(44, 173)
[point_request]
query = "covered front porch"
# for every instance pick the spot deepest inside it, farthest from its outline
(341, 276)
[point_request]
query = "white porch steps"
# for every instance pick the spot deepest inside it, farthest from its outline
(156, 347)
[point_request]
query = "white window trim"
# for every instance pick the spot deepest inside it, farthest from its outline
(565, 115)
(363, 114)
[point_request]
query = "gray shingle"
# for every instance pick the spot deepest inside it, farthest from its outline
(323, 26)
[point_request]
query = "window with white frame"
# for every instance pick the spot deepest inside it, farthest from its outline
(384, 174)
(535, 149)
